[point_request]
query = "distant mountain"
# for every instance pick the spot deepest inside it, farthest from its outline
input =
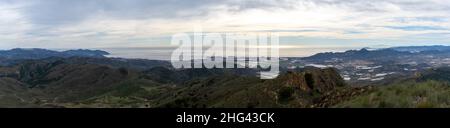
(36, 53)
(357, 54)
(81, 56)
(387, 54)
(416, 49)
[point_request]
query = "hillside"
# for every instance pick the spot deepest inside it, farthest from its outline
(430, 94)
(116, 83)
(14, 93)
(64, 84)
(430, 89)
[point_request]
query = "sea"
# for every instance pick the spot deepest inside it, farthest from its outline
(165, 53)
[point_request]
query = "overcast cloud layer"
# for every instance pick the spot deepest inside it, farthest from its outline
(144, 23)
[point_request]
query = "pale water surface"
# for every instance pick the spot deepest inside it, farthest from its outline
(164, 53)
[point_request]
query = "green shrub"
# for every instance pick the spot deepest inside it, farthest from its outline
(428, 94)
(285, 94)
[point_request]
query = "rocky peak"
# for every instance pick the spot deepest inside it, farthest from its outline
(314, 80)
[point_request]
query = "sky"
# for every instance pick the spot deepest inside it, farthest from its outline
(151, 23)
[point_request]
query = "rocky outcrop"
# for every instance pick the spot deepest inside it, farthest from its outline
(312, 88)
(314, 80)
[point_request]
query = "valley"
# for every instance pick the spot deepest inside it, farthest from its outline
(364, 67)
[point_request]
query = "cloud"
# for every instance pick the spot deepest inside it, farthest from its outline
(101, 23)
(416, 28)
(54, 12)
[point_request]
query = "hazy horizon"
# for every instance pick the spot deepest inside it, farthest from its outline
(165, 52)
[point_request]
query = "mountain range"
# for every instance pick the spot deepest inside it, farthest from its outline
(60, 84)
(85, 78)
(36, 53)
(385, 53)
